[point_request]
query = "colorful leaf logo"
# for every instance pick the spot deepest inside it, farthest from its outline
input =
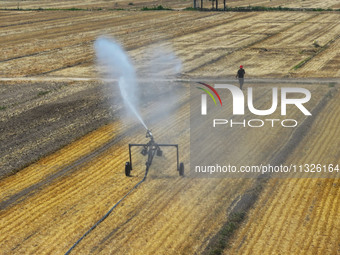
(209, 93)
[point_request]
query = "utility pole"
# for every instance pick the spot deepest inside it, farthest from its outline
(216, 5)
(201, 4)
(224, 3)
(194, 4)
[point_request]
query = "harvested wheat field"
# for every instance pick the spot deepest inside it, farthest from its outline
(209, 44)
(65, 131)
(177, 4)
(64, 194)
(299, 216)
(94, 5)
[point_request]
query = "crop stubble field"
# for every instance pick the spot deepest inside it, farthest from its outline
(299, 216)
(209, 43)
(175, 215)
(48, 205)
(176, 4)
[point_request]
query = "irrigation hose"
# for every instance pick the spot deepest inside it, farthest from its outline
(109, 212)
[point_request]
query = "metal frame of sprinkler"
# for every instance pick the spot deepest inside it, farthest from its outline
(151, 148)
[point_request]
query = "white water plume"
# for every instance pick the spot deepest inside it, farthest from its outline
(118, 66)
(161, 63)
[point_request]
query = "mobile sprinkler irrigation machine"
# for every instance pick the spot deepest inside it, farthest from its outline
(150, 149)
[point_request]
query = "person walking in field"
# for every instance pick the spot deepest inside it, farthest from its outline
(240, 75)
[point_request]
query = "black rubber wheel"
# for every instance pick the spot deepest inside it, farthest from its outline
(181, 169)
(127, 168)
(159, 153)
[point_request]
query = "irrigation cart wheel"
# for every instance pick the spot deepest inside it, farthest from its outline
(127, 168)
(181, 169)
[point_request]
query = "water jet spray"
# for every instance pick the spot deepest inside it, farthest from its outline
(117, 65)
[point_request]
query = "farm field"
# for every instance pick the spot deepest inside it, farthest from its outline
(289, 210)
(208, 44)
(177, 4)
(64, 194)
(90, 4)
(64, 132)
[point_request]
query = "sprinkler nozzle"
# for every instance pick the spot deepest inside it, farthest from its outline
(149, 134)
